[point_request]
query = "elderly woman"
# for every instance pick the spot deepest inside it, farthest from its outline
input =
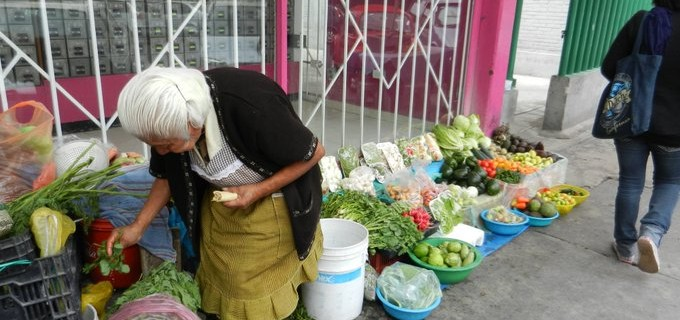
(231, 130)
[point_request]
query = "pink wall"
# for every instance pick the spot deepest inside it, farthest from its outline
(487, 64)
(83, 89)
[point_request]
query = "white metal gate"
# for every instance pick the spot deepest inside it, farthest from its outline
(395, 63)
(350, 63)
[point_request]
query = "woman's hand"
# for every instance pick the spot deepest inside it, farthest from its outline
(127, 236)
(246, 195)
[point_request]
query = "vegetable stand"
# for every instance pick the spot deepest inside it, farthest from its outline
(402, 192)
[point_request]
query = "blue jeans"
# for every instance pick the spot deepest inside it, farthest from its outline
(632, 156)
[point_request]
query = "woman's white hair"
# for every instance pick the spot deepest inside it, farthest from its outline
(159, 103)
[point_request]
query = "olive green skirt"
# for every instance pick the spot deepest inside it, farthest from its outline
(249, 266)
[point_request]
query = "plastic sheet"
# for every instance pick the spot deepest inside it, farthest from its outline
(155, 306)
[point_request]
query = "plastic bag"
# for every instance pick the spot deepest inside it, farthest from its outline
(155, 306)
(374, 158)
(51, 229)
(414, 149)
(427, 187)
(408, 286)
(392, 156)
(349, 159)
(330, 173)
(370, 280)
(25, 148)
(360, 179)
(402, 186)
(96, 294)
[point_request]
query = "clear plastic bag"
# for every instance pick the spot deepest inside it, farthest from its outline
(25, 148)
(370, 280)
(360, 179)
(330, 173)
(375, 159)
(348, 156)
(402, 186)
(392, 156)
(408, 286)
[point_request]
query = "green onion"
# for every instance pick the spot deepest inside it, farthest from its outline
(75, 193)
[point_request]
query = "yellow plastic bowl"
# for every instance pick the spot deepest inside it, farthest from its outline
(584, 194)
(565, 209)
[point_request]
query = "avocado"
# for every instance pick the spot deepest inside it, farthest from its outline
(548, 209)
(460, 173)
(473, 179)
(534, 205)
(446, 171)
(480, 171)
(492, 187)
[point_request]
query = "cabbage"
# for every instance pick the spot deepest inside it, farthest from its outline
(461, 122)
(474, 120)
(471, 143)
(484, 142)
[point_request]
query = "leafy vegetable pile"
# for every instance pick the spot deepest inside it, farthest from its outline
(163, 279)
(461, 137)
(449, 207)
(74, 192)
(387, 228)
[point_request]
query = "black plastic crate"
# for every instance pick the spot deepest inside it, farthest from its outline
(48, 288)
(17, 247)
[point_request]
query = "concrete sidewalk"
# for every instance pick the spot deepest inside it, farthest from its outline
(567, 270)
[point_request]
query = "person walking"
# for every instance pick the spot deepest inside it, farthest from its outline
(235, 131)
(661, 36)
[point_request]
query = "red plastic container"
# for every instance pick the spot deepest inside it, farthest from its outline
(100, 229)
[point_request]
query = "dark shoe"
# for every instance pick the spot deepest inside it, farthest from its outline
(625, 254)
(649, 255)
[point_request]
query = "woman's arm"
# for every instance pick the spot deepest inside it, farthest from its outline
(247, 194)
(130, 234)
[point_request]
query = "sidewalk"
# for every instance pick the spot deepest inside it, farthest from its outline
(567, 270)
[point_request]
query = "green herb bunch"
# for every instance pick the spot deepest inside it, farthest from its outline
(387, 228)
(163, 279)
(76, 192)
(106, 263)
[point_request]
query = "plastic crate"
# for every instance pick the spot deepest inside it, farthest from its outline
(17, 247)
(48, 288)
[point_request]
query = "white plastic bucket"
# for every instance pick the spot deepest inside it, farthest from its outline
(338, 293)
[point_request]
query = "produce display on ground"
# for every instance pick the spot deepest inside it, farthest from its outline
(462, 164)
(402, 191)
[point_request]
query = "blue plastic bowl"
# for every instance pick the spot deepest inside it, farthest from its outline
(403, 313)
(505, 229)
(542, 222)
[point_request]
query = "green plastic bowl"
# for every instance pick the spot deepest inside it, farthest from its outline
(448, 275)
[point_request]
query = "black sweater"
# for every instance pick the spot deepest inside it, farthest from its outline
(664, 128)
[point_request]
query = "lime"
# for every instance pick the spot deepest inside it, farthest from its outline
(453, 260)
(436, 260)
(421, 249)
(453, 246)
